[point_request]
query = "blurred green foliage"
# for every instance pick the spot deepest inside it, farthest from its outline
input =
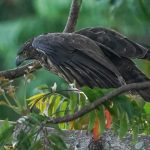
(23, 19)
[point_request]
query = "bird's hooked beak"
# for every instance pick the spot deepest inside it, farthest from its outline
(19, 60)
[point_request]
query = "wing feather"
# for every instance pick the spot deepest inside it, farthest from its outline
(117, 43)
(79, 58)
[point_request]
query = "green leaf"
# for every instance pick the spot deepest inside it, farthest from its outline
(52, 103)
(101, 116)
(147, 108)
(114, 110)
(37, 145)
(24, 141)
(135, 131)
(33, 100)
(82, 100)
(123, 125)
(57, 142)
(37, 96)
(73, 102)
(61, 107)
(92, 94)
(124, 104)
(115, 124)
(35, 118)
(67, 109)
(56, 101)
(92, 117)
(6, 131)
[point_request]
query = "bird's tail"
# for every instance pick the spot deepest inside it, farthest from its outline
(147, 56)
(132, 74)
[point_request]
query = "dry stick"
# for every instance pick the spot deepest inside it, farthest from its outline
(73, 16)
(99, 101)
(70, 26)
(20, 71)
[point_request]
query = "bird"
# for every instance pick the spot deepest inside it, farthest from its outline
(94, 57)
(122, 51)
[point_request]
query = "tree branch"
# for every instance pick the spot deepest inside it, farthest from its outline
(73, 16)
(20, 71)
(70, 26)
(99, 101)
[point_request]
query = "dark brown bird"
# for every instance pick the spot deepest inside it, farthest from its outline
(95, 57)
(120, 50)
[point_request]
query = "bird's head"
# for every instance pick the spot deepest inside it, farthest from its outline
(26, 52)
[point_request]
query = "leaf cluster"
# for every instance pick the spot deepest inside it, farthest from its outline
(129, 115)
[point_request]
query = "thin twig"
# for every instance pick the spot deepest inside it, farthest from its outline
(73, 16)
(98, 102)
(20, 71)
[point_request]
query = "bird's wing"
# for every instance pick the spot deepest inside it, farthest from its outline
(78, 57)
(115, 42)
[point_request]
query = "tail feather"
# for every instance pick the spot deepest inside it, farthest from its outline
(138, 76)
(145, 94)
(132, 74)
(147, 56)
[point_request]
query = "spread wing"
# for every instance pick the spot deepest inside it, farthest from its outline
(77, 57)
(114, 42)
(120, 50)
